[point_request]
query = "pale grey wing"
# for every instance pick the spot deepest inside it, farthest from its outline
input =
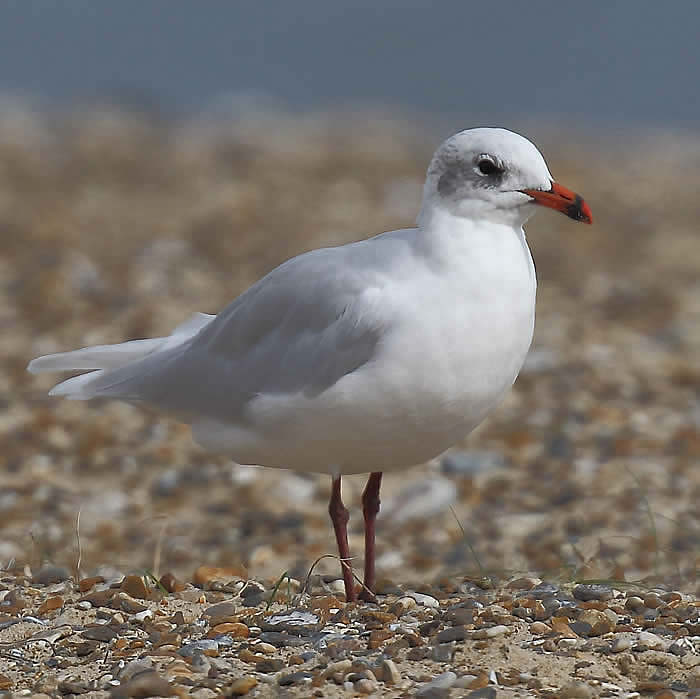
(301, 328)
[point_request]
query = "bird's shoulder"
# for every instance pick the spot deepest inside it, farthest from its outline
(311, 292)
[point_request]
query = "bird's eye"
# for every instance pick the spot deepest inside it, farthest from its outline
(488, 167)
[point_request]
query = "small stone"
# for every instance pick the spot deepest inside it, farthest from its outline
(269, 665)
(424, 600)
(142, 616)
(212, 577)
(201, 646)
(300, 622)
(252, 589)
(135, 586)
(538, 628)
(443, 653)
(171, 583)
(652, 600)
(50, 605)
(365, 686)
(99, 633)
(87, 584)
(72, 687)
(99, 598)
(483, 693)
(266, 648)
(581, 628)
(235, 630)
(294, 678)
(490, 632)
(588, 593)
(390, 672)
(280, 639)
(128, 604)
(599, 622)
(523, 583)
(135, 667)
(420, 653)
(377, 637)
(442, 682)
(146, 684)
(433, 693)
(406, 602)
(576, 690)
(50, 575)
(222, 609)
(621, 644)
(454, 633)
(634, 603)
(648, 640)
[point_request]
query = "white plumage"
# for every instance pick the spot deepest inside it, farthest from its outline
(370, 356)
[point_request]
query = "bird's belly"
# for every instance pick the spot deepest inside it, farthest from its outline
(425, 390)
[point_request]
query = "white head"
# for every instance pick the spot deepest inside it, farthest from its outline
(494, 175)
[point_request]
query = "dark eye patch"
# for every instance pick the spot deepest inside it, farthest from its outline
(453, 178)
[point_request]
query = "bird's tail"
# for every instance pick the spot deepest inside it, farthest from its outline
(100, 359)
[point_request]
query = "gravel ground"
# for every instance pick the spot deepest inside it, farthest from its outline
(115, 225)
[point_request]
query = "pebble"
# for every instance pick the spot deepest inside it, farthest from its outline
(281, 639)
(646, 639)
(135, 586)
(576, 690)
(634, 603)
(222, 609)
(443, 653)
(490, 632)
(146, 684)
(300, 622)
(538, 628)
(201, 663)
(266, 648)
(523, 583)
(390, 672)
(204, 644)
(454, 633)
(365, 686)
(234, 629)
(620, 644)
(294, 678)
(600, 622)
(212, 577)
(240, 687)
(424, 600)
(406, 602)
(483, 693)
(135, 667)
(142, 616)
(99, 633)
(652, 600)
(442, 682)
(269, 665)
(588, 593)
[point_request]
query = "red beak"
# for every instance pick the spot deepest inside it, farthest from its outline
(562, 199)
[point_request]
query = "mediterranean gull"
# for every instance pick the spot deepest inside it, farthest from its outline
(379, 354)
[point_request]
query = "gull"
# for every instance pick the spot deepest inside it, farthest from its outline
(368, 357)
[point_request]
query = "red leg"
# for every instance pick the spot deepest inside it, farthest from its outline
(370, 508)
(339, 517)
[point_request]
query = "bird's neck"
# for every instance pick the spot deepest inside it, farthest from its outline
(457, 241)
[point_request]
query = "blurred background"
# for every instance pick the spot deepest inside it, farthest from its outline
(157, 158)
